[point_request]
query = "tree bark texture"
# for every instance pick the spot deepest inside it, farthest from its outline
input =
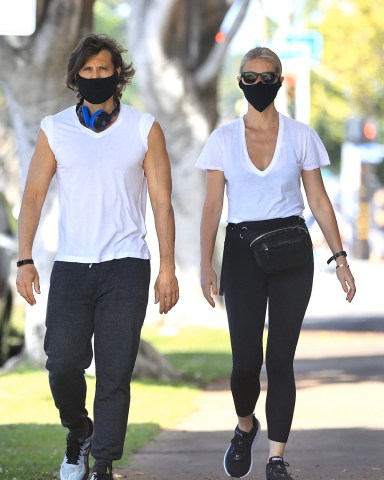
(33, 75)
(178, 62)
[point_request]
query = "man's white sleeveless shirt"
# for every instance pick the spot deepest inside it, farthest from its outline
(275, 192)
(102, 187)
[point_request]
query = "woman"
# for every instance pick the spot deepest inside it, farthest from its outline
(260, 159)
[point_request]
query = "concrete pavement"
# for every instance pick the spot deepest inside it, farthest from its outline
(338, 428)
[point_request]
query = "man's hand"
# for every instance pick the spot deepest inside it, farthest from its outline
(27, 281)
(166, 290)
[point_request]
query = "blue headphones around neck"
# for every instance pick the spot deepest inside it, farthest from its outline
(99, 120)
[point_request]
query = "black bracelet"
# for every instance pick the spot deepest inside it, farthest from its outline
(25, 262)
(338, 254)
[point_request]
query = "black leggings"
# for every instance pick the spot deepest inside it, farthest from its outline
(248, 290)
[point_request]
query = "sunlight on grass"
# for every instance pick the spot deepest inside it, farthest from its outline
(26, 398)
(171, 339)
(32, 441)
(201, 354)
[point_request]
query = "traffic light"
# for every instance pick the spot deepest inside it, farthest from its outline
(370, 130)
(220, 37)
(361, 130)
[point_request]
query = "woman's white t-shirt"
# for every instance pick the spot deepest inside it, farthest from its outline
(275, 192)
(102, 187)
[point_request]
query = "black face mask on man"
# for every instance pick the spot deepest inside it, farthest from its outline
(260, 95)
(97, 90)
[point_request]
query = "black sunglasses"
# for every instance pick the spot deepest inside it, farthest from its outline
(250, 78)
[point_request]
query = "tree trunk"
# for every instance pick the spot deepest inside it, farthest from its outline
(34, 84)
(178, 61)
(178, 64)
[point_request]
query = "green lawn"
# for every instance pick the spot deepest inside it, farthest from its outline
(31, 440)
(201, 354)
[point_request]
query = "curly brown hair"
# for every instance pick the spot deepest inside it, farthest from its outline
(92, 45)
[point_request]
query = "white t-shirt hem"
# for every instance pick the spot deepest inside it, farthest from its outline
(103, 258)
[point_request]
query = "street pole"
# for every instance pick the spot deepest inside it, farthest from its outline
(363, 219)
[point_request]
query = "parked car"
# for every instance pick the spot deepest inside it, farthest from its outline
(11, 341)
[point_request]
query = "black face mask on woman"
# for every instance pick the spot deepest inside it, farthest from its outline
(97, 90)
(260, 95)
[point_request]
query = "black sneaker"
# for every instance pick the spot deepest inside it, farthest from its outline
(75, 465)
(238, 457)
(276, 469)
(103, 476)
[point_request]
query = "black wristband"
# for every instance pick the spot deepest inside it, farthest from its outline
(25, 262)
(338, 254)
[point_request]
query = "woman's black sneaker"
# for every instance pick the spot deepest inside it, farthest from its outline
(238, 457)
(276, 469)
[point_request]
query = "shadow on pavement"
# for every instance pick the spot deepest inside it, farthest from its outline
(339, 370)
(338, 429)
(346, 324)
(337, 454)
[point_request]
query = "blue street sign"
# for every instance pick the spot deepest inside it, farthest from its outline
(307, 43)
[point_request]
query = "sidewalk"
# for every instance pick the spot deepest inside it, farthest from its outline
(338, 427)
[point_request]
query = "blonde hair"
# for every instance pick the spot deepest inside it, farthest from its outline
(263, 53)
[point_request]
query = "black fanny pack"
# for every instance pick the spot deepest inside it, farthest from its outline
(281, 249)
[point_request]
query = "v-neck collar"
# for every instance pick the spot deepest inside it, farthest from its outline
(276, 153)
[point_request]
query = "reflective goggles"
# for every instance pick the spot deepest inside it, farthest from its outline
(250, 78)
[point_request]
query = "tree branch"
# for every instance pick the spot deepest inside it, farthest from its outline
(210, 68)
(149, 15)
(193, 25)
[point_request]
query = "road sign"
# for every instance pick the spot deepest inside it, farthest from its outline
(308, 43)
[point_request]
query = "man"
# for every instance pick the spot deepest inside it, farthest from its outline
(105, 157)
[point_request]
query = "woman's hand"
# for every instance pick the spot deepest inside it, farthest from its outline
(209, 284)
(346, 279)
